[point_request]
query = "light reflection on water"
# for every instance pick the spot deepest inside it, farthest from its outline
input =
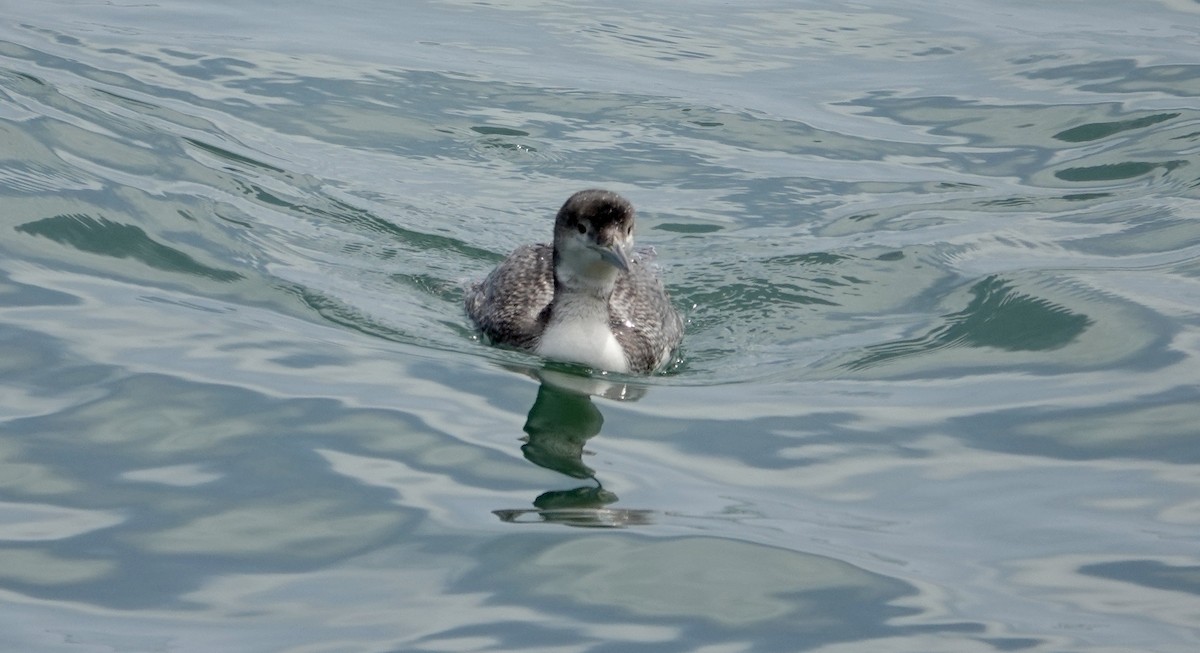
(938, 390)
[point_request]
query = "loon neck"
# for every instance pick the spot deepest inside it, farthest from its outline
(579, 282)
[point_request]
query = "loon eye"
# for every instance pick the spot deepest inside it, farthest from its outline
(582, 229)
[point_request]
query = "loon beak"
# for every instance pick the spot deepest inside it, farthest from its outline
(614, 254)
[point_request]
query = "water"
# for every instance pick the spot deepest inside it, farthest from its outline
(940, 383)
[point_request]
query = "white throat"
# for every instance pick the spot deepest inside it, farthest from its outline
(580, 270)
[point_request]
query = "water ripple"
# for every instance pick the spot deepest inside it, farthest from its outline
(940, 280)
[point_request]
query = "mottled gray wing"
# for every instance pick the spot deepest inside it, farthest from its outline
(508, 304)
(642, 318)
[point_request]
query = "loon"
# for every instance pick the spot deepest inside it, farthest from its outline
(587, 299)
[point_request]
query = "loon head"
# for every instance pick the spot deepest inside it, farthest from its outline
(593, 239)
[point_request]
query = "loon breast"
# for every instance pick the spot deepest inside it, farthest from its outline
(582, 337)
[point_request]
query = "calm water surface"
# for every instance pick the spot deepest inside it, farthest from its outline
(941, 384)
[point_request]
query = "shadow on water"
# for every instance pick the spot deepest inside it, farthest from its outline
(107, 238)
(560, 422)
(997, 316)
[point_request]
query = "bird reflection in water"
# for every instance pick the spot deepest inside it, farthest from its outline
(563, 418)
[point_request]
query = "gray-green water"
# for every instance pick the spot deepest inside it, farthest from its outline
(940, 389)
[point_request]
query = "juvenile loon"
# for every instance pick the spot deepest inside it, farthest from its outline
(587, 299)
